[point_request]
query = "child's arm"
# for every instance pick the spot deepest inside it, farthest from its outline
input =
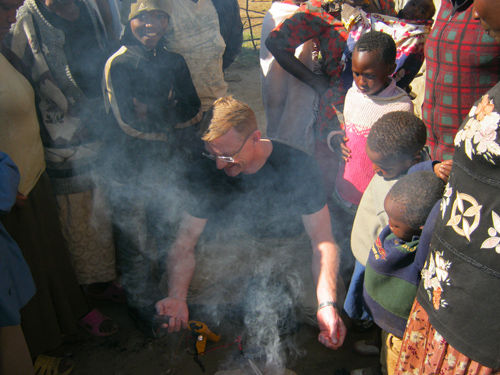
(336, 142)
(443, 169)
(125, 93)
(123, 90)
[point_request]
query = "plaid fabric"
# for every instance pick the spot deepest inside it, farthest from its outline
(462, 65)
(311, 21)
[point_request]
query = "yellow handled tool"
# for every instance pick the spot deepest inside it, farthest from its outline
(204, 333)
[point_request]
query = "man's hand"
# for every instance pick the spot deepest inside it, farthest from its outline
(443, 169)
(332, 328)
(178, 311)
(180, 267)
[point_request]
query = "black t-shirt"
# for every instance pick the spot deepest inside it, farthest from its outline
(266, 204)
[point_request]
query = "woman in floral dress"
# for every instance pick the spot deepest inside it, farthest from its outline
(454, 327)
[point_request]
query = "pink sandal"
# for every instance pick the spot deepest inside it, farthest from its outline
(92, 323)
(114, 292)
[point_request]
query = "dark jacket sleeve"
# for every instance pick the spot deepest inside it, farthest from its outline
(231, 29)
(9, 182)
(423, 166)
(189, 103)
(123, 89)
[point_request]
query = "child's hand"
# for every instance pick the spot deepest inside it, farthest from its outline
(141, 110)
(338, 144)
(171, 99)
(20, 200)
(443, 169)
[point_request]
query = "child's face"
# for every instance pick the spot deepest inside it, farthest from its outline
(418, 10)
(370, 72)
(389, 167)
(397, 222)
(149, 27)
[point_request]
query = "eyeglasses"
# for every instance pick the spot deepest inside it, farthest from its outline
(227, 159)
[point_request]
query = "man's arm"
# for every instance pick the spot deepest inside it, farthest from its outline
(287, 60)
(231, 29)
(180, 268)
(325, 265)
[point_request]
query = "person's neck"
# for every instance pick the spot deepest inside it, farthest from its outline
(262, 151)
(386, 85)
(67, 10)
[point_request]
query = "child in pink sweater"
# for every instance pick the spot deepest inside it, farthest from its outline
(373, 94)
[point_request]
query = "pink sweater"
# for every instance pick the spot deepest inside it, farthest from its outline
(360, 113)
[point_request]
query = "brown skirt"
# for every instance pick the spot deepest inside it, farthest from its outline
(425, 351)
(59, 301)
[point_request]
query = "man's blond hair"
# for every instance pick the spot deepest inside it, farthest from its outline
(225, 114)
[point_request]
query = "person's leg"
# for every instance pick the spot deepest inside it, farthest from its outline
(86, 226)
(59, 301)
(393, 345)
(15, 357)
(354, 300)
(133, 252)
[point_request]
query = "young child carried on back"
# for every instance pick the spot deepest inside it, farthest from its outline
(393, 271)
(373, 94)
(418, 10)
(152, 97)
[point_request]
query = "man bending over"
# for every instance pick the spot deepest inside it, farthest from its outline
(262, 210)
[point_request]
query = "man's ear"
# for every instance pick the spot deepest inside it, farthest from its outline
(256, 136)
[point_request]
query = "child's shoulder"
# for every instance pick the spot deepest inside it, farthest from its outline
(172, 55)
(122, 55)
(390, 242)
(353, 90)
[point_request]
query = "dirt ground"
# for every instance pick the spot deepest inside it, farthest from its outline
(130, 353)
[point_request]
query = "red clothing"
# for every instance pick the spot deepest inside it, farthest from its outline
(425, 351)
(311, 21)
(462, 64)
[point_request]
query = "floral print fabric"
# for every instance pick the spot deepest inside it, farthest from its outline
(409, 36)
(425, 351)
(480, 132)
